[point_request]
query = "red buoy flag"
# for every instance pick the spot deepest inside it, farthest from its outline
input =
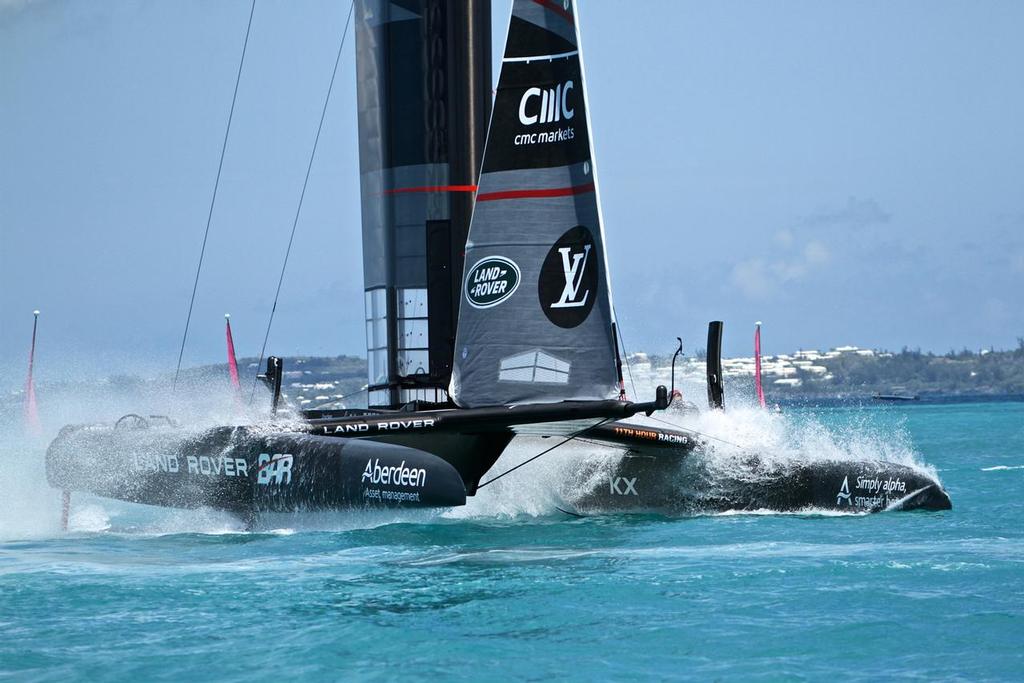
(757, 365)
(32, 424)
(232, 362)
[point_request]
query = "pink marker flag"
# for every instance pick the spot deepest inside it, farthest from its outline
(32, 424)
(232, 362)
(757, 365)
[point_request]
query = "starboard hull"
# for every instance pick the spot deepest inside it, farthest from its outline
(690, 481)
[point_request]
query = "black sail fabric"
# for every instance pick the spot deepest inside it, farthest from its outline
(535, 319)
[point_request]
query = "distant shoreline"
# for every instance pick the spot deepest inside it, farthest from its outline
(849, 371)
(843, 377)
(868, 400)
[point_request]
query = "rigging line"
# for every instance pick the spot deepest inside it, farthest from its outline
(544, 452)
(694, 431)
(302, 195)
(625, 354)
(213, 199)
(342, 398)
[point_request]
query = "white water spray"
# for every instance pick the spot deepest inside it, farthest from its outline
(731, 437)
(30, 508)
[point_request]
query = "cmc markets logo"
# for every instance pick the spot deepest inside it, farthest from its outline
(568, 278)
(546, 106)
(491, 280)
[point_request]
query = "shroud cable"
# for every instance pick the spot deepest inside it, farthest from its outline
(544, 452)
(213, 199)
(302, 195)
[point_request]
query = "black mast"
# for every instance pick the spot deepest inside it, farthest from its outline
(716, 392)
(424, 93)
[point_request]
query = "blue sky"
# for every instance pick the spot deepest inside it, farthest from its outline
(848, 173)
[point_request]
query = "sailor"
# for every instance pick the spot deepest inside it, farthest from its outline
(680, 406)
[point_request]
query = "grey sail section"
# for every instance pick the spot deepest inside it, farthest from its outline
(535, 319)
(423, 90)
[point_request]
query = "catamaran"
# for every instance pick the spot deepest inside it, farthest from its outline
(488, 314)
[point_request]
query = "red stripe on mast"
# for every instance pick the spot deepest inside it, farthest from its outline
(528, 194)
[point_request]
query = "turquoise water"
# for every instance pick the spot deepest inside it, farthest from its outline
(506, 593)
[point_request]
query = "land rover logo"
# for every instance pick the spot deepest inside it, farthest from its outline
(490, 281)
(568, 278)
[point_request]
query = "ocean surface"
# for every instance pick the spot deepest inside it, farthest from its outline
(509, 588)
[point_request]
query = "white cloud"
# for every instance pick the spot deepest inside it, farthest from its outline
(816, 253)
(759, 279)
(754, 279)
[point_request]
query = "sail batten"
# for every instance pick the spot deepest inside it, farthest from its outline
(535, 319)
(561, 55)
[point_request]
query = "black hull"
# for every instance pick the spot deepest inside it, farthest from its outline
(354, 459)
(691, 483)
(351, 460)
(247, 470)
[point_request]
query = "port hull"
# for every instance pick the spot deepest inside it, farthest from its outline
(246, 470)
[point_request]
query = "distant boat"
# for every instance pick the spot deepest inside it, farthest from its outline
(896, 394)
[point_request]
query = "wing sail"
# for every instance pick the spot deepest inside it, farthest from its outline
(535, 316)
